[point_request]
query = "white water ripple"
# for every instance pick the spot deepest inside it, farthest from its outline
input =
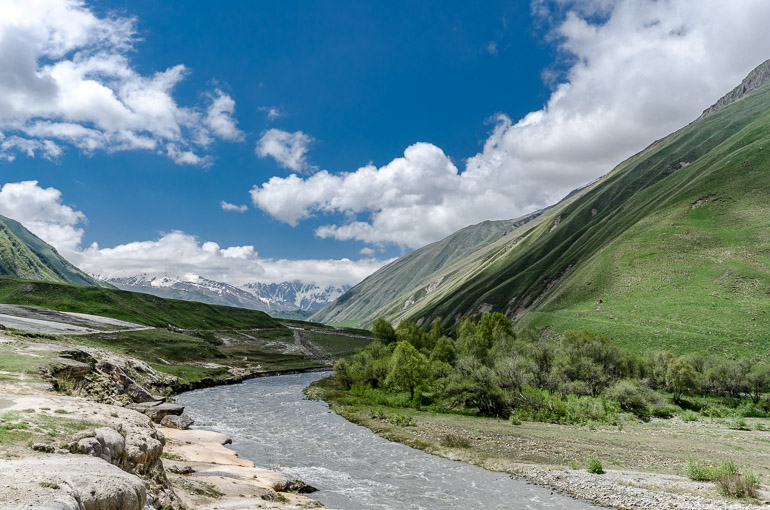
(272, 424)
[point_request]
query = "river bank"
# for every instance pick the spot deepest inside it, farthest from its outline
(645, 463)
(91, 451)
(272, 424)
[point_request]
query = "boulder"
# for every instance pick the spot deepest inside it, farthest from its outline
(157, 412)
(71, 482)
(42, 447)
(300, 487)
(182, 421)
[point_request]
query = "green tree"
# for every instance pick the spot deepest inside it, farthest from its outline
(342, 373)
(757, 382)
(444, 350)
(370, 366)
(383, 331)
(680, 377)
(408, 368)
(412, 333)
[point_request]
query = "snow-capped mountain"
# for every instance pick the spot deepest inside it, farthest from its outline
(295, 295)
(256, 296)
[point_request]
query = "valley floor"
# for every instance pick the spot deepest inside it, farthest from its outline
(645, 462)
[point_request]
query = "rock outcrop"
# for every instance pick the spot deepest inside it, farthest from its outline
(70, 482)
(756, 78)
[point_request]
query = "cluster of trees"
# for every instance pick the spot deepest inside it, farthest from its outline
(498, 371)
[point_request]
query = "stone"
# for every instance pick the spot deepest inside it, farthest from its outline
(182, 421)
(113, 444)
(70, 482)
(156, 413)
(181, 470)
(300, 487)
(90, 446)
(42, 447)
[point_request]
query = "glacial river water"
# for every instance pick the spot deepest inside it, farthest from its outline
(272, 424)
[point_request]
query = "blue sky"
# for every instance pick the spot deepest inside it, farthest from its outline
(409, 120)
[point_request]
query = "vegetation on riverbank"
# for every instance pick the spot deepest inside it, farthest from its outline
(494, 396)
(575, 377)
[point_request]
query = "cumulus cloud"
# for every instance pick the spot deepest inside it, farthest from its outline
(181, 253)
(640, 69)
(227, 206)
(288, 149)
(66, 79)
(43, 212)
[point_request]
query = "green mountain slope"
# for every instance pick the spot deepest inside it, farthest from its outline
(673, 242)
(131, 306)
(24, 255)
(669, 250)
(414, 272)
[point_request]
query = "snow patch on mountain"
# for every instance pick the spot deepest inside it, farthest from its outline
(257, 296)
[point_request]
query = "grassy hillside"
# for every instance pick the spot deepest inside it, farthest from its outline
(673, 242)
(410, 277)
(24, 255)
(669, 250)
(131, 306)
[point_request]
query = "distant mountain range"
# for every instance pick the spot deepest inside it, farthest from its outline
(669, 249)
(24, 255)
(273, 297)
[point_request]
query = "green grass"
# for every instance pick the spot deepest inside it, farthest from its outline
(14, 366)
(337, 345)
(18, 428)
(131, 306)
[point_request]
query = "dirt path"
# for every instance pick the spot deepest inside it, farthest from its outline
(307, 348)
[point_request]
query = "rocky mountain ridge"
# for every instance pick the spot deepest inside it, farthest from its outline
(284, 296)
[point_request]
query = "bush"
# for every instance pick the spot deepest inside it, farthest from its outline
(594, 465)
(698, 471)
(633, 396)
(727, 477)
(738, 485)
(701, 472)
(401, 420)
(455, 441)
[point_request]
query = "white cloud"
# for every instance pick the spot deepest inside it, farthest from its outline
(492, 48)
(227, 206)
(219, 117)
(181, 253)
(641, 69)
(288, 149)
(272, 112)
(66, 78)
(43, 212)
(367, 251)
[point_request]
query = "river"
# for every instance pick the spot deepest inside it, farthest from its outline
(272, 424)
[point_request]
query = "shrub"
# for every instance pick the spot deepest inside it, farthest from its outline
(738, 485)
(401, 420)
(455, 441)
(701, 472)
(698, 471)
(633, 396)
(689, 416)
(594, 465)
